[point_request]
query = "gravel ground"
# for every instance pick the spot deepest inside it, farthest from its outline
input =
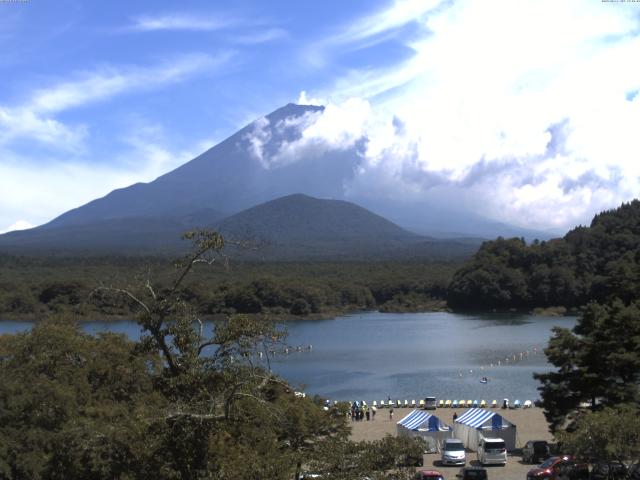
(530, 422)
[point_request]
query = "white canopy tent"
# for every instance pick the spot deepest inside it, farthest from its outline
(479, 422)
(423, 424)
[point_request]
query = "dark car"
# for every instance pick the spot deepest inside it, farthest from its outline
(428, 475)
(535, 451)
(559, 468)
(608, 471)
(472, 473)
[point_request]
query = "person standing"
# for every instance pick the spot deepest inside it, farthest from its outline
(374, 409)
(390, 413)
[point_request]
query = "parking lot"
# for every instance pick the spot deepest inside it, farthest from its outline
(530, 422)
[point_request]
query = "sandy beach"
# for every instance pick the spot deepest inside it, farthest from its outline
(530, 423)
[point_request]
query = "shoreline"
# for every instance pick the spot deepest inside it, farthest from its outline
(328, 315)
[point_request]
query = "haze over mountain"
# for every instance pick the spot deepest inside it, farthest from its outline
(253, 166)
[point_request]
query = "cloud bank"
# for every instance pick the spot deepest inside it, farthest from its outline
(526, 112)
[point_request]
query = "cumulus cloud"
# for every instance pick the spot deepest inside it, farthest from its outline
(308, 136)
(19, 225)
(523, 110)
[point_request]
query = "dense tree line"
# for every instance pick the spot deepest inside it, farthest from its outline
(592, 397)
(180, 403)
(595, 263)
(32, 287)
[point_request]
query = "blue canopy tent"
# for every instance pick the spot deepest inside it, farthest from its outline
(479, 422)
(423, 424)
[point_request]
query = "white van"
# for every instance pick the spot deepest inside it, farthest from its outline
(492, 451)
(453, 452)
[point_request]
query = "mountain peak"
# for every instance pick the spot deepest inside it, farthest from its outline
(293, 110)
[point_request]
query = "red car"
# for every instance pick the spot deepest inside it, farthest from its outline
(559, 468)
(428, 475)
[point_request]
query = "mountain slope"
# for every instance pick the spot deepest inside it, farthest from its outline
(133, 235)
(302, 227)
(299, 219)
(251, 167)
(227, 178)
(294, 227)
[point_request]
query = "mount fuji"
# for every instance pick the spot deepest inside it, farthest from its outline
(219, 188)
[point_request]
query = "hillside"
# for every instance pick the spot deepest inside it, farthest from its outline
(295, 227)
(301, 227)
(227, 177)
(597, 263)
(133, 235)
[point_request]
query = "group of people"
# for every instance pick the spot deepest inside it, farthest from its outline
(360, 411)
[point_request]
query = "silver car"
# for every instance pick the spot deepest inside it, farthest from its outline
(453, 452)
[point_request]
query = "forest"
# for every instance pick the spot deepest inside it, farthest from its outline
(32, 287)
(177, 404)
(595, 263)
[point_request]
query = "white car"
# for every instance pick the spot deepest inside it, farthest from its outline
(492, 451)
(453, 452)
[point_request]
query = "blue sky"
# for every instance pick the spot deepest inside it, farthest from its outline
(525, 111)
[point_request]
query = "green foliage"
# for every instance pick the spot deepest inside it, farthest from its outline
(597, 362)
(609, 435)
(72, 405)
(182, 403)
(596, 263)
(32, 287)
(345, 460)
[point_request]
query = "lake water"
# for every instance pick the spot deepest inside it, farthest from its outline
(372, 356)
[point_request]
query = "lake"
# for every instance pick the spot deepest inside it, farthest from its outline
(372, 356)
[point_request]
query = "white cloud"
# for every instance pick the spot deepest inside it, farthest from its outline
(261, 36)
(19, 225)
(339, 127)
(27, 193)
(369, 30)
(23, 122)
(107, 82)
(478, 102)
(35, 118)
(303, 99)
(66, 172)
(258, 138)
(180, 21)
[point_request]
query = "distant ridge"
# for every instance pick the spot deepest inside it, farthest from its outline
(294, 227)
(133, 235)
